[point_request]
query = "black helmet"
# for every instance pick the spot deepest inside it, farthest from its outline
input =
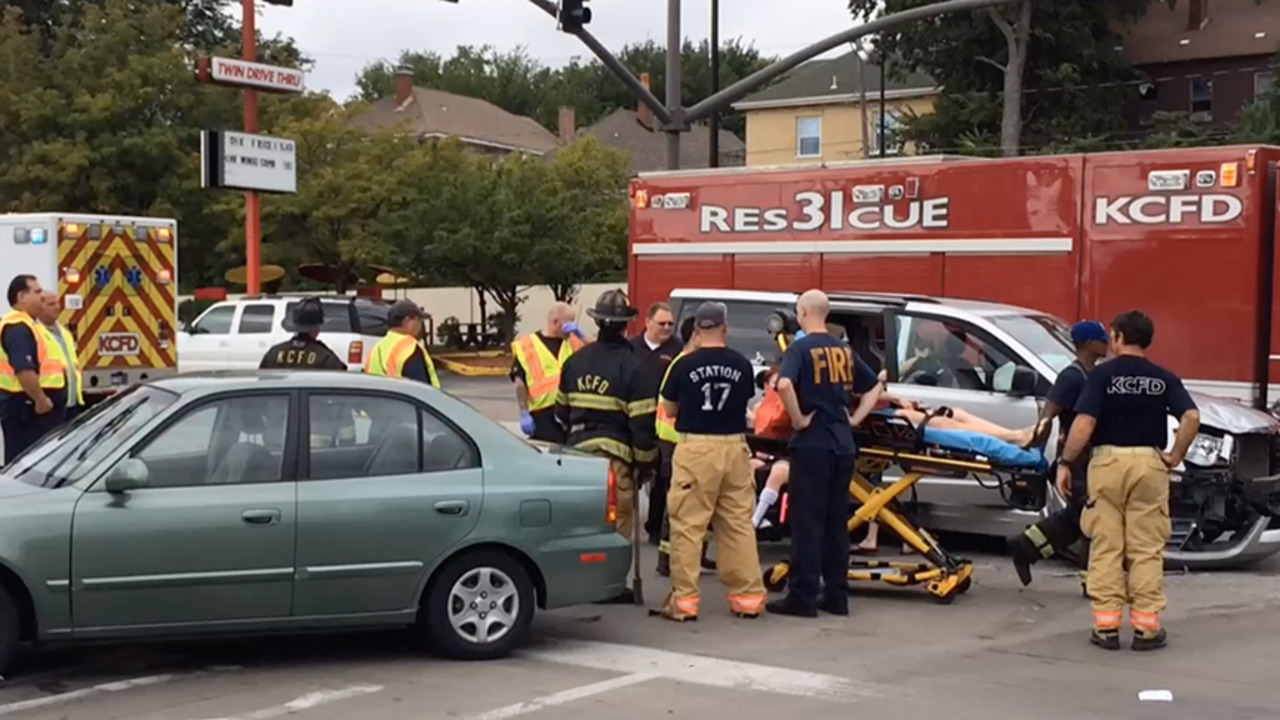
(613, 307)
(308, 313)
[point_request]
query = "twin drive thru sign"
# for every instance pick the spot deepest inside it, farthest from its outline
(244, 161)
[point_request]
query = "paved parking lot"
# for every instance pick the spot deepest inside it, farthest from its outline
(1000, 651)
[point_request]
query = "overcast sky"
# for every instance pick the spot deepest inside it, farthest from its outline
(345, 35)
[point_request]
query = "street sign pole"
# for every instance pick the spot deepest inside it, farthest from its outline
(674, 43)
(252, 224)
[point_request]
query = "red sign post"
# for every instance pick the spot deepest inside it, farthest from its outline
(250, 76)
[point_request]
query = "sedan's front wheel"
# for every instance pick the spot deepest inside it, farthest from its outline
(9, 629)
(480, 606)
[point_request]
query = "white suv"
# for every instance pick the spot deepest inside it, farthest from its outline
(234, 335)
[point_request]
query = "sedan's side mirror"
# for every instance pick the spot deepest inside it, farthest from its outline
(130, 474)
(1024, 382)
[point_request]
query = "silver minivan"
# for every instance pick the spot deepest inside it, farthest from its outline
(1002, 362)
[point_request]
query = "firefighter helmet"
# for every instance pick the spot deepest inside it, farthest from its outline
(613, 308)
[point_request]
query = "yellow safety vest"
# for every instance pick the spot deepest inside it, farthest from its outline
(52, 373)
(390, 354)
(69, 364)
(541, 368)
(665, 424)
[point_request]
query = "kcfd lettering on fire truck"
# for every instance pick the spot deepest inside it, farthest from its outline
(1210, 209)
(820, 211)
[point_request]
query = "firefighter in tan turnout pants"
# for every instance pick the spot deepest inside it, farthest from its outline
(605, 407)
(1123, 410)
(707, 392)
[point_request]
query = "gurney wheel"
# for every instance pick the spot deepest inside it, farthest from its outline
(948, 597)
(964, 586)
(775, 579)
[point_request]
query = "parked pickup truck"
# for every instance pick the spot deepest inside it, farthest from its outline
(1225, 502)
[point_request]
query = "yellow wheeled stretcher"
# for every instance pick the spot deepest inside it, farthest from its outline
(887, 442)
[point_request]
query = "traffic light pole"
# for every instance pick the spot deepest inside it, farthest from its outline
(675, 118)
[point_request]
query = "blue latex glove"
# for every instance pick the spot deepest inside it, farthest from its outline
(799, 334)
(526, 423)
(572, 327)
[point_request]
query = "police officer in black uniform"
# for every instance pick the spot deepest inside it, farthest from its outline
(606, 407)
(303, 350)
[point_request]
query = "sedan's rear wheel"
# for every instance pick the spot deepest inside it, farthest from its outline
(9, 630)
(480, 606)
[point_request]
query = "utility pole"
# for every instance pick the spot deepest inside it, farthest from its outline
(861, 56)
(674, 42)
(715, 82)
(676, 118)
(883, 145)
(252, 224)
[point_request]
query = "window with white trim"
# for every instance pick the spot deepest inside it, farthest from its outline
(891, 127)
(1201, 99)
(1262, 83)
(808, 137)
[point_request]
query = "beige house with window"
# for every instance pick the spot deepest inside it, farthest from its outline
(817, 114)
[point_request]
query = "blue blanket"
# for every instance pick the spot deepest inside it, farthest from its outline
(998, 452)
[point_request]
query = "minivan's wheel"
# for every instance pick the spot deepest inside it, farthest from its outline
(480, 606)
(9, 629)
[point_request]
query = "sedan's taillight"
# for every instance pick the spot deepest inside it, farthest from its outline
(355, 353)
(611, 500)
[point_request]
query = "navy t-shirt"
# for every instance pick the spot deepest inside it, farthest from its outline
(1131, 398)
(826, 375)
(712, 387)
(1065, 393)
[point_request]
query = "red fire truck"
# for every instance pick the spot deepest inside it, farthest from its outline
(1187, 235)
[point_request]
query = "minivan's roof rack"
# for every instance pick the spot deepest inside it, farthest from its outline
(883, 298)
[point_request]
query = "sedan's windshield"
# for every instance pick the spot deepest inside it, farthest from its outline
(69, 453)
(1044, 336)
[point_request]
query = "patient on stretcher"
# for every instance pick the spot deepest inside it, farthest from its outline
(956, 419)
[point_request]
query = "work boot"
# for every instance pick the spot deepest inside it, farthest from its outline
(1105, 638)
(834, 606)
(787, 606)
(664, 564)
(1024, 555)
(1148, 641)
(707, 564)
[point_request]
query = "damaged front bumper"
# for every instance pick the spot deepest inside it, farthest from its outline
(1201, 540)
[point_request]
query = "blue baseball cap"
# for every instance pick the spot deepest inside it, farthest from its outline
(1086, 330)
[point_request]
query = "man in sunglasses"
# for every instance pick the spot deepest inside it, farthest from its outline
(655, 348)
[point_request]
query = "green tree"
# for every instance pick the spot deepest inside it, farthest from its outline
(1261, 121)
(587, 185)
(521, 85)
(1063, 51)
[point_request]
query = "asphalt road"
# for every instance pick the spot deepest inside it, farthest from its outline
(999, 651)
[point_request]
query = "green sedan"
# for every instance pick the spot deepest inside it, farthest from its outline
(298, 501)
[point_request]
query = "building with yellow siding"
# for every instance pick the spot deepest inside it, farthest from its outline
(817, 114)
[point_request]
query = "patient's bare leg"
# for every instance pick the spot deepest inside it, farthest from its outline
(963, 420)
(777, 478)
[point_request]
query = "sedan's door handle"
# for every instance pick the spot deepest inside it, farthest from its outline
(452, 507)
(261, 517)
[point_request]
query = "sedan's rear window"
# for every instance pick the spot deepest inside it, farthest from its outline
(360, 318)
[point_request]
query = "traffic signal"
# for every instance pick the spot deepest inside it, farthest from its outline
(572, 15)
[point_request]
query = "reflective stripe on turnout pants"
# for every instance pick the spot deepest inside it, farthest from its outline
(1126, 519)
(625, 485)
(711, 482)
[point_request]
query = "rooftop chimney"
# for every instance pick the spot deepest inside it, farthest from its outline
(568, 123)
(404, 83)
(643, 114)
(1197, 14)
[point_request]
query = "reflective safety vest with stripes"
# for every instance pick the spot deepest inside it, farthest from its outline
(666, 425)
(541, 368)
(52, 373)
(70, 364)
(390, 354)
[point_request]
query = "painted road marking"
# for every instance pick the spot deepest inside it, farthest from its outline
(120, 686)
(566, 696)
(630, 660)
(308, 701)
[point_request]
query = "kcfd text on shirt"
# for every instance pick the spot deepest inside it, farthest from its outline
(712, 387)
(1131, 398)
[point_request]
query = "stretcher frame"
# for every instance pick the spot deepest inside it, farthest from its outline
(884, 444)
